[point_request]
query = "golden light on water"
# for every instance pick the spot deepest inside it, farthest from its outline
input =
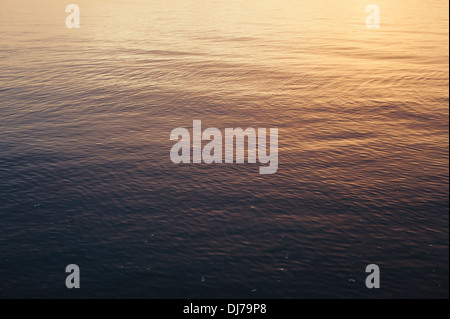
(85, 120)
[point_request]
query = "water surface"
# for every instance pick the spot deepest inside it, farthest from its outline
(86, 177)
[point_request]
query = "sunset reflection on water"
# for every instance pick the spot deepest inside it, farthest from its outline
(86, 177)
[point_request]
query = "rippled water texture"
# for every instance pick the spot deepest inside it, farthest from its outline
(86, 177)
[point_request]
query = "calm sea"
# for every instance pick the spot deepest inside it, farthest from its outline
(86, 177)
